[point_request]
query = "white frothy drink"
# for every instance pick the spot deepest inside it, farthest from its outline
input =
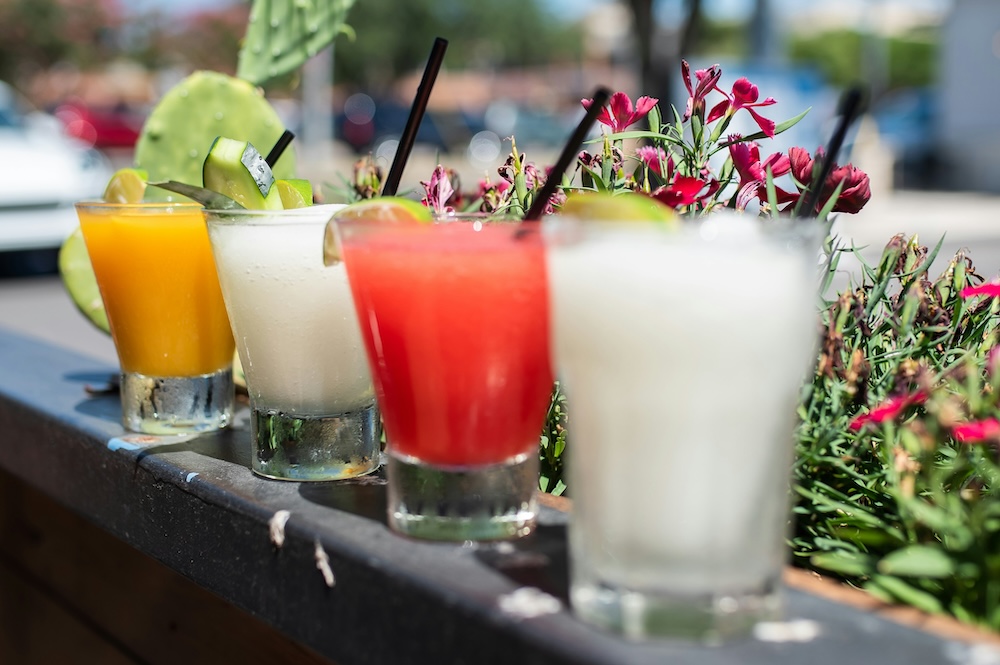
(293, 318)
(682, 354)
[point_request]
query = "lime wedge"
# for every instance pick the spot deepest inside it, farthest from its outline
(385, 209)
(78, 278)
(294, 193)
(623, 207)
(126, 186)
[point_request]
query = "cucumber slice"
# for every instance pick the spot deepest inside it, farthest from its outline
(237, 170)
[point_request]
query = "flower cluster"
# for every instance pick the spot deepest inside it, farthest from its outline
(898, 448)
(674, 162)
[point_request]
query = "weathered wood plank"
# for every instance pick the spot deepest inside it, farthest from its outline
(79, 595)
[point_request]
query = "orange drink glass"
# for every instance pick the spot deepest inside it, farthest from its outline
(157, 278)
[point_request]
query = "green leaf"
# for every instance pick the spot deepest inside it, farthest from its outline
(907, 593)
(844, 563)
(653, 120)
(917, 561)
(830, 202)
(772, 194)
(756, 136)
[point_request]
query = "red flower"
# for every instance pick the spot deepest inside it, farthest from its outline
(856, 190)
(621, 113)
(977, 431)
(744, 96)
(683, 191)
(887, 410)
(753, 172)
(991, 289)
(708, 79)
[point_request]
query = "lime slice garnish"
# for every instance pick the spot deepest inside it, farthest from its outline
(624, 206)
(126, 186)
(78, 278)
(385, 209)
(294, 193)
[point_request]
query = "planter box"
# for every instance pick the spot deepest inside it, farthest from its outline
(326, 580)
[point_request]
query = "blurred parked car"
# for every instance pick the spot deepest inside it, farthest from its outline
(104, 128)
(906, 121)
(42, 173)
(366, 123)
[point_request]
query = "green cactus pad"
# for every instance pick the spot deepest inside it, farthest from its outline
(283, 34)
(182, 127)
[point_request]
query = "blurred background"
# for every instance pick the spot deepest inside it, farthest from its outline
(80, 76)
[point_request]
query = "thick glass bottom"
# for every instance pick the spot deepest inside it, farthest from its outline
(315, 448)
(170, 405)
(710, 618)
(456, 503)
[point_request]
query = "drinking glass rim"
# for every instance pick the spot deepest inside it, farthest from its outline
(557, 229)
(314, 214)
(141, 205)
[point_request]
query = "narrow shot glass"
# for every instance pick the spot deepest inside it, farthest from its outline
(157, 279)
(454, 316)
(682, 352)
(313, 410)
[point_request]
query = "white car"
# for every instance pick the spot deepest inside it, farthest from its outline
(43, 173)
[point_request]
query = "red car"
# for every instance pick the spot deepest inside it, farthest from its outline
(115, 127)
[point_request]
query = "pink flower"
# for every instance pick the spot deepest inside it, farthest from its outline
(991, 289)
(619, 114)
(744, 96)
(708, 79)
(494, 195)
(652, 157)
(753, 172)
(977, 431)
(438, 191)
(887, 410)
(993, 361)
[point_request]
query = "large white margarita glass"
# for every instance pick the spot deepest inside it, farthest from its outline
(682, 353)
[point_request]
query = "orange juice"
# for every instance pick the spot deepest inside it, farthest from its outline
(154, 267)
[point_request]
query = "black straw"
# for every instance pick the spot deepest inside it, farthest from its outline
(416, 115)
(569, 153)
(849, 109)
(279, 147)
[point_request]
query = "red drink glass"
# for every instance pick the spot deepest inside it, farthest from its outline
(454, 316)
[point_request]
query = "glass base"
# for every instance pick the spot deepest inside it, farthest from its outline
(457, 503)
(170, 405)
(707, 618)
(315, 448)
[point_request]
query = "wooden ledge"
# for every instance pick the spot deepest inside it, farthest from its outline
(334, 579)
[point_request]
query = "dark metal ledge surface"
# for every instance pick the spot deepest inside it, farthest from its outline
(194, 505)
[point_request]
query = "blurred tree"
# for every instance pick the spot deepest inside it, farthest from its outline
(36, 34)
(394, 38)
(839, 55)
(210, 39)
(659, 64)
